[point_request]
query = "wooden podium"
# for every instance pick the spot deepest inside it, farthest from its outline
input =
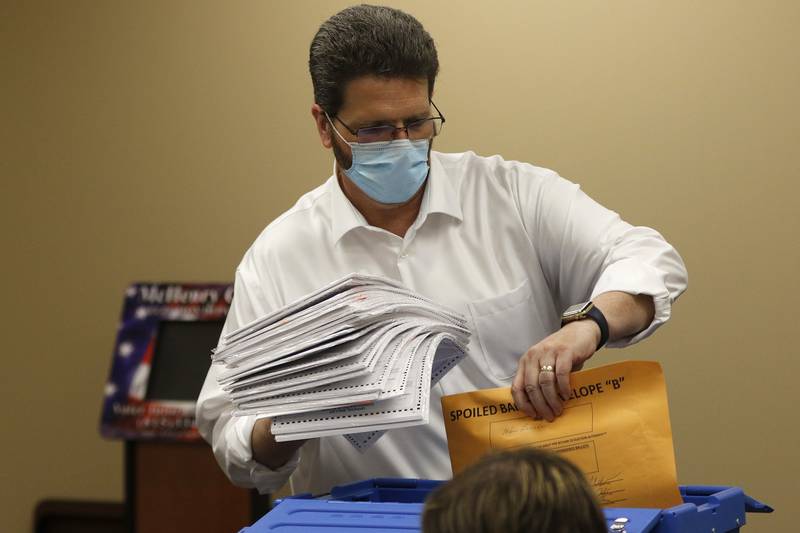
(178, 486)
(159, 363)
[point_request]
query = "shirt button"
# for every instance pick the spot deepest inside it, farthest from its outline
(403, 256)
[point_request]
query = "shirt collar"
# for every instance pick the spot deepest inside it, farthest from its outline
(344, 215)
(440, 196)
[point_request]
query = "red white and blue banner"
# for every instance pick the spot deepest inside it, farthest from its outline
(164, 342)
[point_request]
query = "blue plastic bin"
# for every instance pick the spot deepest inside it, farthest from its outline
(389, 504)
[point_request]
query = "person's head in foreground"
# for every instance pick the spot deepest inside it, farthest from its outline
(528, 490)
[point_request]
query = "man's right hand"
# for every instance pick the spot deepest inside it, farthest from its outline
(266, 450)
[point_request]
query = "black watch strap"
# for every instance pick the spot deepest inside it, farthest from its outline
(595, 314)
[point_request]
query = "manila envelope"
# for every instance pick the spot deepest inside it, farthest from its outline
(615, 427)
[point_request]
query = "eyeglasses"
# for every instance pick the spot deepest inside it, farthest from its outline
(425, 128)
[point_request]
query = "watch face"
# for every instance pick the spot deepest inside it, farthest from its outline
(576, 310)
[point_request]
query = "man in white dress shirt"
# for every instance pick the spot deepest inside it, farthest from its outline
(509, 245)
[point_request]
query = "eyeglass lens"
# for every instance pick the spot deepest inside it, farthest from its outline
(419, 129)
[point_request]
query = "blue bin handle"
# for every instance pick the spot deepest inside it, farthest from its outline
(751, 505)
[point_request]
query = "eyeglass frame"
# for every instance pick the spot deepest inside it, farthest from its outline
(395, 128)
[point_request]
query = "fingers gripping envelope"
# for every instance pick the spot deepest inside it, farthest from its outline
(615, 427)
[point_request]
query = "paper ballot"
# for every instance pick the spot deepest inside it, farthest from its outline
(354, 358)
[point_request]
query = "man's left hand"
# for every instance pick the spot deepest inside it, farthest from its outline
(541, 385)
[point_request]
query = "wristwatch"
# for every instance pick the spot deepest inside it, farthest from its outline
(583, 311)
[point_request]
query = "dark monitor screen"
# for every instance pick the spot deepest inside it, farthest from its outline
(181, 359)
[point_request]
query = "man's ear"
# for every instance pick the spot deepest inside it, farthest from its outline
(323, 126)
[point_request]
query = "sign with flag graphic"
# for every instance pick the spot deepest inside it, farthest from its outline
(161, 356)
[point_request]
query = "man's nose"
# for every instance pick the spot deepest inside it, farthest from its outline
(401, 132)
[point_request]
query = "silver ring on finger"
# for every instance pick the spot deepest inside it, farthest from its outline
(547, 368)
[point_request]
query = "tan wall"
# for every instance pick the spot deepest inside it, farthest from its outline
(154, 140)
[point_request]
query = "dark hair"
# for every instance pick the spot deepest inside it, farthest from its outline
(368, 40)
(527, 490)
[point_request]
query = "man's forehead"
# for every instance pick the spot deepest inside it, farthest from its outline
(378, 98)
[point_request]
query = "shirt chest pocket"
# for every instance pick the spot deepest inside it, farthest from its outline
(505, 327)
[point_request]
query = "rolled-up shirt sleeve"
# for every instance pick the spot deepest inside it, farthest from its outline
(228, 435)
(586, 250)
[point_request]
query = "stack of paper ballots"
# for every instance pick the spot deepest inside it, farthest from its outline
(356, 357)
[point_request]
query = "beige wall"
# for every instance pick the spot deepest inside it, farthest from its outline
(154, 140)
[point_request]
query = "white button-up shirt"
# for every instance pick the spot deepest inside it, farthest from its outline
(507, 244)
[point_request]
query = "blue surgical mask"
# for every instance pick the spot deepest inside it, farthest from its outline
(389, 172)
